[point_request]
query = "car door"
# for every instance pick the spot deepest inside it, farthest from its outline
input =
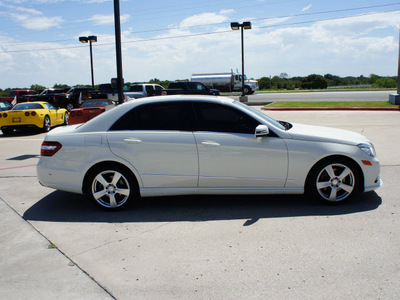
(56, 116)
(230, 156)
(155, 140)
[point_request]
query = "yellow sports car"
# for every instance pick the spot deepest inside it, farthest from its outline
(32, 114)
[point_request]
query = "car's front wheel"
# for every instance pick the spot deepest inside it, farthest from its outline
(333, 180)
(111, 187)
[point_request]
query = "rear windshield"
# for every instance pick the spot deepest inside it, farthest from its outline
(23, 106)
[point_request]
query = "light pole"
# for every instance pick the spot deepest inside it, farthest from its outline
(91, 39)
(118, 51)
(237, 26)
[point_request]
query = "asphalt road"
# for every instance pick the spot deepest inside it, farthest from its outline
(202, 247)
(330, 96)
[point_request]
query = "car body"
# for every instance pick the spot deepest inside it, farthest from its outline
(32, 114)
(5, 105)
(179, 145)
(89, 109)
(142, 90)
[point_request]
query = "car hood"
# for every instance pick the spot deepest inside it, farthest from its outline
(326, 134)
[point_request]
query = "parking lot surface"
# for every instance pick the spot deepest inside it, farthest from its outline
(57, 244)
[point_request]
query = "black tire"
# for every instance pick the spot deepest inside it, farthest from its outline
(247, 90)
(333, 181)
(107, 190)
(66, 118)
(46, 124)
(7, 130)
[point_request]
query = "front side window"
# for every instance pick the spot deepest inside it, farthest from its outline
(221, 118)
(157, 116)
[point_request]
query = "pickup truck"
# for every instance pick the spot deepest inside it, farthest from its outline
(19, 94)
(190, 88)
(47, 95)
(145, 90)
(66, 98)
(112, 93)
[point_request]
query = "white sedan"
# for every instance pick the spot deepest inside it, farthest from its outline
(179, 145)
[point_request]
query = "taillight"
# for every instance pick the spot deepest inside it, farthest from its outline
(79, 113)
(49, 148)
(27, 113)
(5, 115)
(33, 113)
(72, 113)
(89, 95)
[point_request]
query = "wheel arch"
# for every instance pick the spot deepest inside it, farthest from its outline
(106, 164)
(339, 158)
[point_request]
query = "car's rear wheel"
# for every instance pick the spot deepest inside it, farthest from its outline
(46, 124)
(7, 130)
(66, 118)
(333, 181)
(111, 187)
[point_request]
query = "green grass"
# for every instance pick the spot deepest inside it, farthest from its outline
(356, 104)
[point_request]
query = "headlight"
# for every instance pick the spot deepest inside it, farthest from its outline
(368, 149)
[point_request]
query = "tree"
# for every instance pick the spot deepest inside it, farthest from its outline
(264, 83)
(385, 82)
(37, 87)
(61, 86)
(373, 78)
(284, 75)
(314, 81)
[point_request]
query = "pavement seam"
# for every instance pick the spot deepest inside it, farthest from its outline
(61, 252)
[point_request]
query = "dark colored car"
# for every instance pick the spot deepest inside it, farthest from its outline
(5, 105)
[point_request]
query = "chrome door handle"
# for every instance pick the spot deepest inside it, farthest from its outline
(132, 141)
(210, 144)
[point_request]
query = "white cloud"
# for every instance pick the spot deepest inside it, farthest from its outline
(38, 23)
(306, 8)
(203, 19)
(108, 19)
(274, 21)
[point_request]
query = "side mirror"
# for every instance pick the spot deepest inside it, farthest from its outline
(262, 130)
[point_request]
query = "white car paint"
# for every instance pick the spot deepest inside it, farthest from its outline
(170, 162)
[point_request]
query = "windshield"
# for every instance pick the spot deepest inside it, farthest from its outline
(263, 116)
(95, 104)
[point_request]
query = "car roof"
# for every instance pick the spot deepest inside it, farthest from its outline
(104, 121)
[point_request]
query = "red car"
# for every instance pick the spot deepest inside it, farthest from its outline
(89, 109)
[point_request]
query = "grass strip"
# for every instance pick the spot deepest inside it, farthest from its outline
(326, 104)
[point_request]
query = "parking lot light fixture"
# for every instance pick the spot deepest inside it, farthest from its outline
(237, 26)
(89, 39)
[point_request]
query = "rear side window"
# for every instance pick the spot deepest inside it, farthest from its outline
(157, 116)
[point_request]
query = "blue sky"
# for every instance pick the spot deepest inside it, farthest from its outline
(171, 40)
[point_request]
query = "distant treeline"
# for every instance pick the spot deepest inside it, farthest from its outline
(314, 81)
(281, 82)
